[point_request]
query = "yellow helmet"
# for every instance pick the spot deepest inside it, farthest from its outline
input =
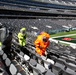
(23, 29)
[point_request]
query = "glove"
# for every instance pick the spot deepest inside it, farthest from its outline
(46, 53)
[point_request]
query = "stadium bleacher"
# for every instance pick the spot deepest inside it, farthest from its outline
(60, 60)
(32, 24)
(57, 50)
(38, 7)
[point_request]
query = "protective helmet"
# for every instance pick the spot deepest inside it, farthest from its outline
(46, 34)
(23, 30)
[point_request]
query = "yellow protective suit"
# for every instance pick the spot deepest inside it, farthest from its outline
(22, 37)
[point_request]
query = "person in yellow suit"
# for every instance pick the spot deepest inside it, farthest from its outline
(42, 43)
(22, 37)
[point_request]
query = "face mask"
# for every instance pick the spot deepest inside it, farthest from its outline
(45, 39)
(23, 32)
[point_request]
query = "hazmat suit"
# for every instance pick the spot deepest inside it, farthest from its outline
(42, 43)
(22, 37)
